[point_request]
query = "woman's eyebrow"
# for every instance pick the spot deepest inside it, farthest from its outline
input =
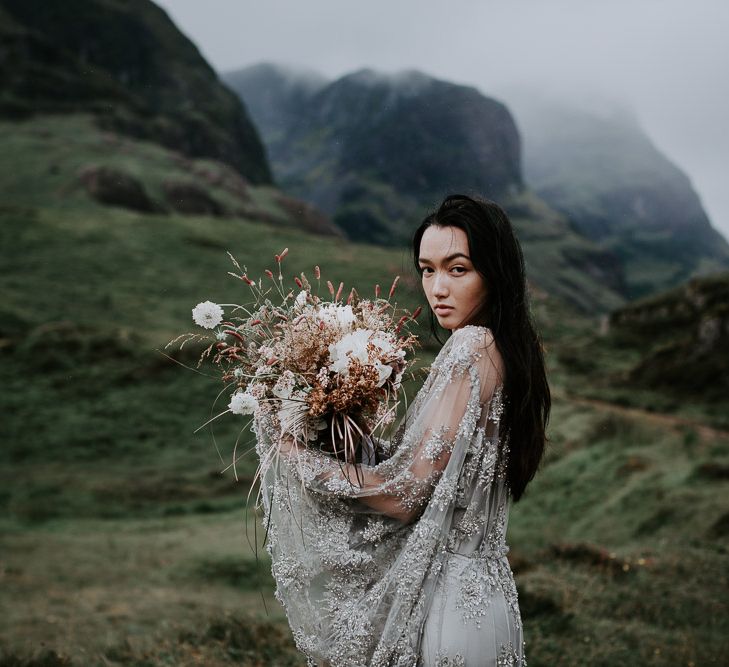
(445, 259)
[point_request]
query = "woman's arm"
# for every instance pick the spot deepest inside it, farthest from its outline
(401, 486)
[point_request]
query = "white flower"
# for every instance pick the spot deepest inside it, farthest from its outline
(242, 403)
(284, 386)
(341, 317)
(207, 314)
(221, 335)
(384, 371)
(351, 346)
(238, 373)
(300, 300)
(323, 376)
(383, 341)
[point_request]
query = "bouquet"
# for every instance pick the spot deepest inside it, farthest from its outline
(325, 372)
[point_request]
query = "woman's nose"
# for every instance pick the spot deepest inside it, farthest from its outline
(440, 286)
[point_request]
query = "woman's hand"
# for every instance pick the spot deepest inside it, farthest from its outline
(288, 444)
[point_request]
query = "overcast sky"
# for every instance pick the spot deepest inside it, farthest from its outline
(666, 59)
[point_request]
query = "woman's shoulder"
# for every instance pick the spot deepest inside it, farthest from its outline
(466, 345)
(472, 336)
(475, 347)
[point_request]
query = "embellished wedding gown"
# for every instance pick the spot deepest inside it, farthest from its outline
(405, 565)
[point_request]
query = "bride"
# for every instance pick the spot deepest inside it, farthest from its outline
(404, 562)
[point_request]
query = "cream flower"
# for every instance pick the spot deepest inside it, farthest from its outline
(300, 300)
(341, 317)
(383, 341)
(242, 403)
(207, 314)
(351, 346)
(384, 371)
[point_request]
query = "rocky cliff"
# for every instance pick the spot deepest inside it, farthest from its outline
(127, 63)
(596, 164)
(373, 150)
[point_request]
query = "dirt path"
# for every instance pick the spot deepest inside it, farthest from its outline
(659, 418)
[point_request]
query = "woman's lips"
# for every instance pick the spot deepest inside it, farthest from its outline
(442, 309)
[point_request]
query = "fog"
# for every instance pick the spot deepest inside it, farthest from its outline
(667, 60)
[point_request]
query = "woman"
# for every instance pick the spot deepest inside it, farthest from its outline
(404, 562)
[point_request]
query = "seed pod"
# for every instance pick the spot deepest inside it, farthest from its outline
(394, 285)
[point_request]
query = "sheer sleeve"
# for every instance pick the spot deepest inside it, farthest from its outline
(439, 426)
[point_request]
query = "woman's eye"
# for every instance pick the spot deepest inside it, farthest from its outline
(459, 269)
(425, 269)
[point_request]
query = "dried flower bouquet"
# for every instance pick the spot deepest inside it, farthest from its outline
(327, 373)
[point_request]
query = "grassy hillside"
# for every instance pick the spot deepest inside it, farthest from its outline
(121, 542)
(666, 353)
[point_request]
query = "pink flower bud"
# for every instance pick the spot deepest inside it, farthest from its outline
(339, 291)
(236, 334)
(394, 285)
(317, 272)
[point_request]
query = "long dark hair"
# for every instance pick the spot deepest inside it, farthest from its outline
(496, 254)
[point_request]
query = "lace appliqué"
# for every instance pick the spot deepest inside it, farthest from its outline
(496, 408)
(489, 460)
(508, 657)
(437, 444)
(419, 550)
(444, 493)
(477, 583)
(443, 660)
(374, 531)
(466, 527)
(289, 573)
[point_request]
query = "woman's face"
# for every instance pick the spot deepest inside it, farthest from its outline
(455, 290)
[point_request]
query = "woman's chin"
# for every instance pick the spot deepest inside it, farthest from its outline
(446, 321)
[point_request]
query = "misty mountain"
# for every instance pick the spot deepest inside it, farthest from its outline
(377, 151)
(596, 165)
(374, 150)
(128, 64)
(274, 96)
